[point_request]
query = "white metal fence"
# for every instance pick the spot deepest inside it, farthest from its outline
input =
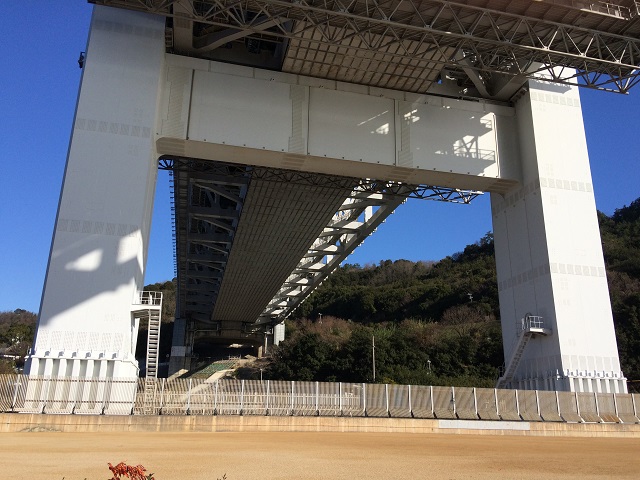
(30, 394)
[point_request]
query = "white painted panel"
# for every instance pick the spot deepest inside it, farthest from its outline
(240, 111)
(451, 140)
(351, 126)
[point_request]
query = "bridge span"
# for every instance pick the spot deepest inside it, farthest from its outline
(293, 129)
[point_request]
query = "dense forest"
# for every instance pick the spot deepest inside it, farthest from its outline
(432, 322)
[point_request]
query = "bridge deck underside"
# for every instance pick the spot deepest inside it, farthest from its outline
(233, 263)
(278, 224)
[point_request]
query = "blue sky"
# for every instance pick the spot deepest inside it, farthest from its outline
(40, 48)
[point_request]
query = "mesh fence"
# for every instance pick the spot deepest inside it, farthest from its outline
(280, 393)
(170, 397)
(8, 387)
(196, 396)
(255, 397)
(329, 399)
(33, 394)
(305, 398)
(353, 398)
(229, 397)
(201, 397)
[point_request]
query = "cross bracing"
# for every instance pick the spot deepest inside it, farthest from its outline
(253, 242)
(488, 47)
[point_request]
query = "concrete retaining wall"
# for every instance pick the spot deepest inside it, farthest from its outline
(16, 422)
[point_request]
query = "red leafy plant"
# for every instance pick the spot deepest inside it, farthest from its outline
(122, 471)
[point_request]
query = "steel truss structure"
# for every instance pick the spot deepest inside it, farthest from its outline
(208, 202)
(488, 46)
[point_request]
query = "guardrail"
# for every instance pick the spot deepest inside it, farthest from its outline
(30, 394)
(148, 297)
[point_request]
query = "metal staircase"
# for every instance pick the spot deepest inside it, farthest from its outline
(153, 342)
(149, 305)
(530, 326)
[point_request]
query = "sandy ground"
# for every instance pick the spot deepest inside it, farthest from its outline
(304, 456)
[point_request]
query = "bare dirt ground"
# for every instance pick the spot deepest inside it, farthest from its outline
(306, 456)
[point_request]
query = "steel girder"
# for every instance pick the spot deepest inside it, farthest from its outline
(349, 227)
(388, 43)
(209, 200)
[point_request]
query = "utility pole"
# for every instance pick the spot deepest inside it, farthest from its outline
(373, 355)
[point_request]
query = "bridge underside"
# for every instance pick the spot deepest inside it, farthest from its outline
(253, 242)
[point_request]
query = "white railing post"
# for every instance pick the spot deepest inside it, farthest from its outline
(558, 405)
(475, 400)
(410, 406)
(215, 399)
(16, 386)
(266, 406)
(495, 396)
(386, 394)
(517, 403)
(538, 404)
(595, 397)
(615, 405)
(292, 398)
(453, 399)
(105, 393)
(189, 397)
(340, 399)
(241, 396)
(317, 398)
(575, 394)
(45, 397)
(431, 396)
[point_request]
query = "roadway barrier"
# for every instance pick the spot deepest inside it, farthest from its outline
(103, 396)
(508, 405)
(548, 407)
(486, 403)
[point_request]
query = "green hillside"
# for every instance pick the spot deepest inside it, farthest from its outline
(438, 323)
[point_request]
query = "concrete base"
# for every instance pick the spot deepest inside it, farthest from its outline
(15, 422)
